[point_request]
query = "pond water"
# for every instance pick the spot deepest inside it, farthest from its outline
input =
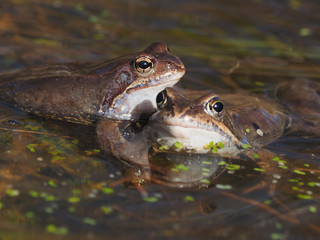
(55, 181)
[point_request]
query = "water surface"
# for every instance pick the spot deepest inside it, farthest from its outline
(54, 181)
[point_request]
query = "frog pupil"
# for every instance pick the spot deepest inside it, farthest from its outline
(218, 106)
(144, 64)
(161, 98)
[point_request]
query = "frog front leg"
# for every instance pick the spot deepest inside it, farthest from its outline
(124, 141)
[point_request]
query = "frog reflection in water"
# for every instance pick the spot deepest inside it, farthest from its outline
(232, 122)
(121, 88)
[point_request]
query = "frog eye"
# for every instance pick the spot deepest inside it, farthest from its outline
(143, 64)
(162, 99)
(214, 106)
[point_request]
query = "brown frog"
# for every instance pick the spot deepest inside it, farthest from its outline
(235, 121)
(121, 88)
(196, 124)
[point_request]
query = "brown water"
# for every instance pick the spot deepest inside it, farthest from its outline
(54, 181)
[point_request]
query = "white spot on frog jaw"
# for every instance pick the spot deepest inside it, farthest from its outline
(259, 132)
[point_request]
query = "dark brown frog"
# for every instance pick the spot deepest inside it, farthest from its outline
(121, 88)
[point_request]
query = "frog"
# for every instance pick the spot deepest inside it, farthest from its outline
(121, 88)
(229, 123)
(231, 126)
(235, 125)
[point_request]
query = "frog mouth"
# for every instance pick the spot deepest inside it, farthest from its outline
(163, 81)
(139, 100)
(189, 138)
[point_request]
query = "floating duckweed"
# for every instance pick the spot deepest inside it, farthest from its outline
(73, 199)
(188, 198)
(90, 221)
(50, 198)
(255, 155)
(13, 192)
(99, 36)
(278, 225)
(260, 84)
(52, 183)
(206, 181)
(31, 147)
(106, 210)
(56, 230)
(1, 205)
(163, 147)
(244, 146)
(43, 194)
(313, 209)
(214, 149)
(94, 19)
(29, 214)
(224, 186)
(205, 170)
(96, 150)
(48, 43)
(299, 172)
(79, 6)
(220, 145)
(293, 180)
(301, 183)
(205, 174)
(71, 209)
(283, 166)
(178, 145)
(277, 236)
(105, 13)
(276, 159)
(222, 163)
(206, 146)
(107, 190)
(304, 32)
(57, 157)
(206, 162)
(259, 169)
(267, 202)
(233, 167)
(295, 188)
(49, 210)
(150, 199)
(282, 161)
(182, 167)
(304, 196)
(34, 194)
(313, 184)
(248, 130)
(76, 191)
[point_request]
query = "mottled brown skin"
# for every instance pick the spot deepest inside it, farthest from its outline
(302, 98)
(83, 92)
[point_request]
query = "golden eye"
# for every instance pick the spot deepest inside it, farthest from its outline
(214, 106)
(161, 99)
(143, 64)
